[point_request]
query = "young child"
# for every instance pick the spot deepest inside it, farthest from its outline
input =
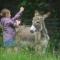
(9, 25)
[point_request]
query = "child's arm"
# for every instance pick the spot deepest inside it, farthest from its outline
(14, 24)
(18, 14)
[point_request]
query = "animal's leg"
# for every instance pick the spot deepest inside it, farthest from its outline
(37, 42)
(44, 45)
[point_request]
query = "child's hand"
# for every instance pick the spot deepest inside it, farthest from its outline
(21, 9)
(17, 23)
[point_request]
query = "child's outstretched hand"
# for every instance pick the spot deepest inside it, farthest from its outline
(17, 23)
(21, 9)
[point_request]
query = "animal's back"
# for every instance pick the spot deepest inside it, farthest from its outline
(24, 36)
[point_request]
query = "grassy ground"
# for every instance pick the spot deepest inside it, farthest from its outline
(26, 55)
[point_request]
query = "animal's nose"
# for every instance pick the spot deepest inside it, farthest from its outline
(31, 31)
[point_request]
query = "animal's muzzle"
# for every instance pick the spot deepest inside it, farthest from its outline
(32, 29)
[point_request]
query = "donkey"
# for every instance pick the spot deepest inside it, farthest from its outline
(24, 37)
(40, 31)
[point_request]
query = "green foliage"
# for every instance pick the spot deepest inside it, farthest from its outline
(26, 55)
(55, 42)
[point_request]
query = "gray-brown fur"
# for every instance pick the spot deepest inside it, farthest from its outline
(24, 37)
(39, 39)
(41, 34)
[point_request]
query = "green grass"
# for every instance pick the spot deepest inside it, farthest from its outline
(26, 55)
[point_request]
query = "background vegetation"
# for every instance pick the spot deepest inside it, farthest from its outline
(52, 23)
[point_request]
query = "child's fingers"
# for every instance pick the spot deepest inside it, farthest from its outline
(22, 9)
(18, 22)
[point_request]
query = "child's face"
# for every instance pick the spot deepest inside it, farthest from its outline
(8, 14)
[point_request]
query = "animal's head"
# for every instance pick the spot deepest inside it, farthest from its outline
(36, 22)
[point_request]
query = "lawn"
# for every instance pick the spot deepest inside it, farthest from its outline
(26, 55)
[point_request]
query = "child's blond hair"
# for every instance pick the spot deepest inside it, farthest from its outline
(4, 12)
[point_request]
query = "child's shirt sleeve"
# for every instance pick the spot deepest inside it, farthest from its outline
(17, 16)
(11, 23)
